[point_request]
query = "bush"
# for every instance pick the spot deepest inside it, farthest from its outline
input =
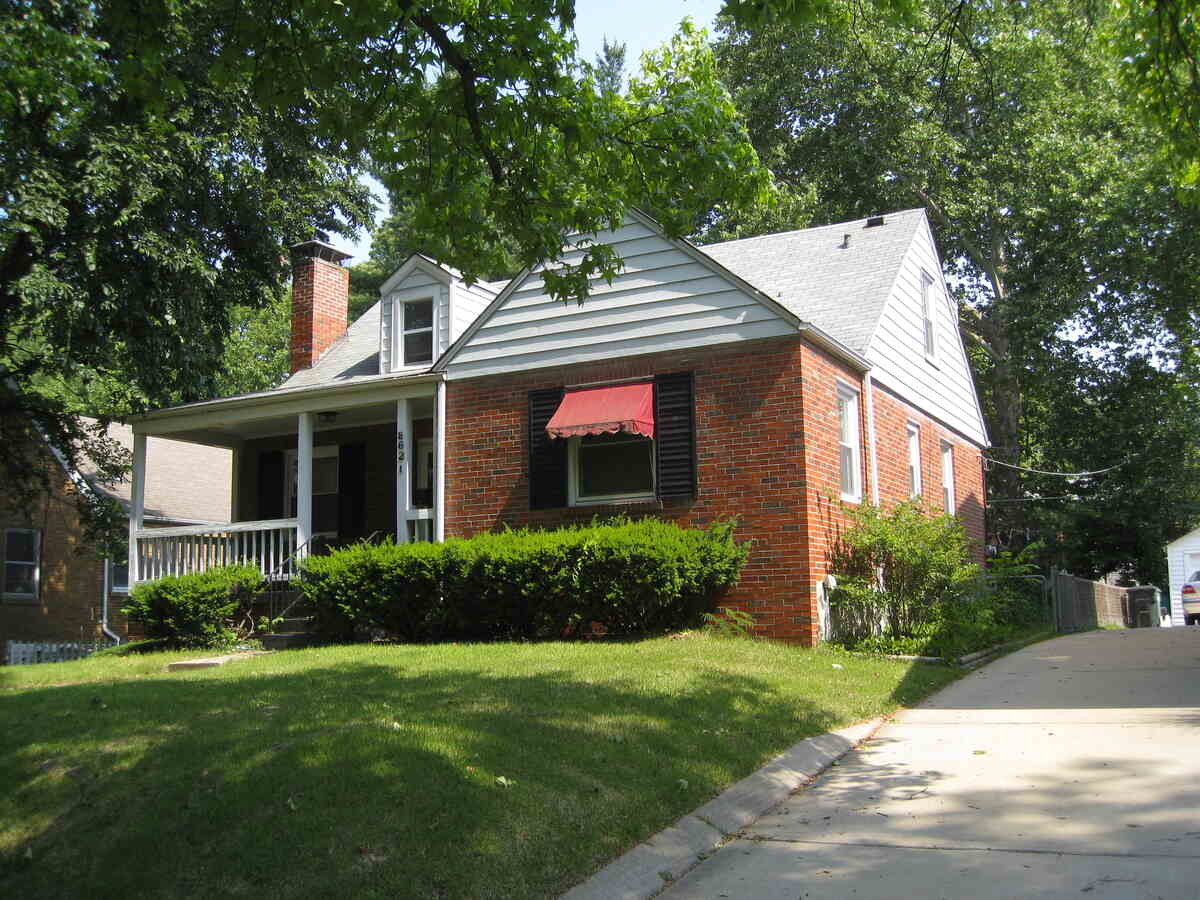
(906, 585)
(899, 571)
(628, 577)
(204, 609)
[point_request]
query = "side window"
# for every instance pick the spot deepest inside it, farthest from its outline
(118, 577)
(927, 322)
(849, 445)
(22, 563)
(914, 460)
(948, 500)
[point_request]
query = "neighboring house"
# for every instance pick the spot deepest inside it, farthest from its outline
(1183, 561)
(52, 584)
(775, 379)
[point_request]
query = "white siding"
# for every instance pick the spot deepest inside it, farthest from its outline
(416, 286)
(1178, 553)
(663, 300)
(466, 303)
(945, 390)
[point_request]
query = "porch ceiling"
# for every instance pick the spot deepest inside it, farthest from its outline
(234, 434)
(229, 422)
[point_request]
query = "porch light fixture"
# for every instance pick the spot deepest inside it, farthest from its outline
(328, 417)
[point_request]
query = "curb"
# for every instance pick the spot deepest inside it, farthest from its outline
(652, 865)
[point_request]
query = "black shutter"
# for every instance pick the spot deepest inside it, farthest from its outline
(270, 484)
(674, 436)
(352, 491)
(547, 455)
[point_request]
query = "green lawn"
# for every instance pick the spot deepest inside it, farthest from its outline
(499, 770)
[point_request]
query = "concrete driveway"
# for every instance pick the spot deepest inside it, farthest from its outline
(1068, 769)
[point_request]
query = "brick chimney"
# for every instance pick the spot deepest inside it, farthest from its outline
(320, 299)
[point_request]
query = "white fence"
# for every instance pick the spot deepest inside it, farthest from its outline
(270, 545)
(23, 653)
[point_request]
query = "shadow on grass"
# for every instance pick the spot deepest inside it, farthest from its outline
(363, 779)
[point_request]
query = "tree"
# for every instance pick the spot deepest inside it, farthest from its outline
(157, 158)
(1158, 45)
(1057, 220)
(609, 67)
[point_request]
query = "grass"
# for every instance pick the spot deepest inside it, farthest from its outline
(502, 770)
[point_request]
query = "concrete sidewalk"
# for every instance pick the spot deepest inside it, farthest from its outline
(1070, 768)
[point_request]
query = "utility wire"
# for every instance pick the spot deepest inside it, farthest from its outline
(1000, 462)
(1030, 499)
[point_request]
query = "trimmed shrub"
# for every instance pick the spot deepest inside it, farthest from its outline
(628, 577)
(375, 586)
(204, 609)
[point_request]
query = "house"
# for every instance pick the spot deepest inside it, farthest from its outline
(778, 379)
(1183, 561)
(55, 586)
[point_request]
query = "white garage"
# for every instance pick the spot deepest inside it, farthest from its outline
(1183, 560)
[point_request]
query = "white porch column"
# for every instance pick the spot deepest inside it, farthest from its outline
(304, 456)
(439, 465)
(137, 504)
(405, 459)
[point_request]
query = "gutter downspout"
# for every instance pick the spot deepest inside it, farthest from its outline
(869, 390)
(104, 603)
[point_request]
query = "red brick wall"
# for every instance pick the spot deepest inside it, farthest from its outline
(752, 458)
(892, 417)
(71, 577)
(320, 298)
(767, 452)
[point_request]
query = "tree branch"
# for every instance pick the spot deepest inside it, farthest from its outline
(468, 75)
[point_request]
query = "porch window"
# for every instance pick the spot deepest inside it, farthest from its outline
(22, 561)
(849, 448)
(422, 488)
(914, 460)
(416, 332)
(324, 489)
(948, 477)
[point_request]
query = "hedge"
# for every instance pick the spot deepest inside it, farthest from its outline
(204, 609)
(628, 577)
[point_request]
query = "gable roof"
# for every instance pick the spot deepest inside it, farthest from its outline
(836, 294)
(841, 290)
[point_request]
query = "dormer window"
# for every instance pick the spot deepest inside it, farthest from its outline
(416, 332)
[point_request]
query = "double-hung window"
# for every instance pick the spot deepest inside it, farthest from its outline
(927, 322)
(914, 460)
(22, 562)
(948, 477)
(849, 445)
(415, 339)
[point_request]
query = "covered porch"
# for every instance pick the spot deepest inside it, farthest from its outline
(312, 470)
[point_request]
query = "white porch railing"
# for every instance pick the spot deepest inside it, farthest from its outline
(270, 545)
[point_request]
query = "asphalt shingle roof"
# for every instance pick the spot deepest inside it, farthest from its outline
(353, 356)
(841, 291)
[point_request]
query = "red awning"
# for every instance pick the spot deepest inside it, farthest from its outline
(605, 410)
